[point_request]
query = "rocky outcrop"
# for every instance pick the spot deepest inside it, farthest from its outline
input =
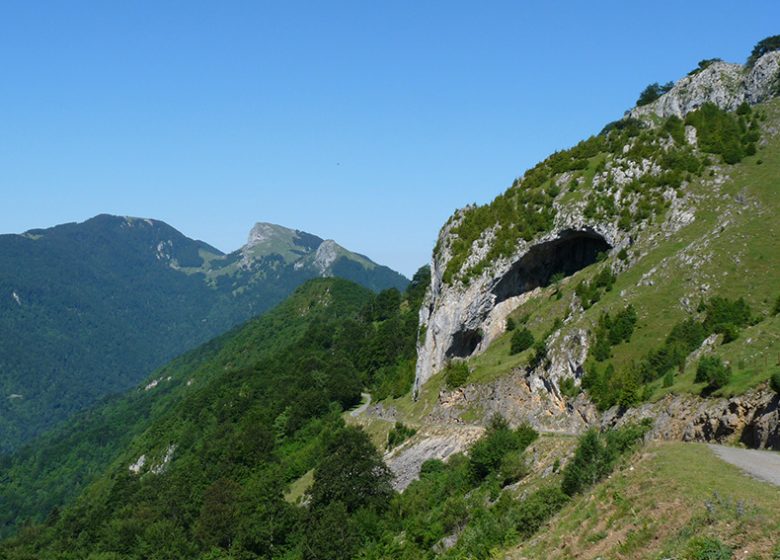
(752, 419)
(463, 319)
(520, 398)
(724, 84)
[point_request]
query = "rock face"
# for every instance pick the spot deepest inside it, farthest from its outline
(520, 398)
(724, 84)
(752, 419)
(460, 320)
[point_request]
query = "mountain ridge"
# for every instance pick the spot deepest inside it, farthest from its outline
(93, 307)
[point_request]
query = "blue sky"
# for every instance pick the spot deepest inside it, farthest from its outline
(365, 122)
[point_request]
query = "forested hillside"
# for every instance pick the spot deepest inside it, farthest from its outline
(90, 309)
(345, 338)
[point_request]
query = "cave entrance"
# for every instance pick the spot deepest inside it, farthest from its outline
(571, 251)
(464, 342)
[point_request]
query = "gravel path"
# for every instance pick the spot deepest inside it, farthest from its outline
(764, 465)
(359, 410)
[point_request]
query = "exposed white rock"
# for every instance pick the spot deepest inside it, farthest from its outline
(725, 84)
(136, 467)
(166, 460)
(764, 78)
(691, 135)
(327, 253)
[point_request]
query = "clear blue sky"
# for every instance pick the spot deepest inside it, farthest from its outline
(367, 122)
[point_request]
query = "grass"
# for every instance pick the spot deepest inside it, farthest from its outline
(654, 505)
(298, 488)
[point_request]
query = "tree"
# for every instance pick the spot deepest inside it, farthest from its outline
(712, 370)
(352, 472)
(330, 534)
(522, 339)
(762, 47)
(587, 466)
(218, 514)
(774, 382)
(653, 92)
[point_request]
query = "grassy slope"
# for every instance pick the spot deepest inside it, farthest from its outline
(655, 504)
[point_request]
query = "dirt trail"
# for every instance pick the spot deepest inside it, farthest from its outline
(764, 465)
(359, 410)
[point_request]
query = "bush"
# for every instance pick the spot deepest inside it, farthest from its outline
(510, 324)
(456, 374)
(714, 372)
(774, 382)
(596, 455)
(522, 339)
(776, 308)
(726, 317)
(569, 388)
(513, 468)
(399, 434)
(488, 453)
(540, 354)
(536, 509)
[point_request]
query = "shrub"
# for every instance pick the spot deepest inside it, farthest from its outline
(726, 317)
(569, 388)
(704, 64)
(488, 453)
(675, 128)
(718, 132)
(536, 509)
(399, 434)
(522, 339)
(713, 371)
(540, 354)
(456, 374)
(776, 308)
(588, 465)
(513, 468)
(510, 324)
(596, 455)
(774, 382)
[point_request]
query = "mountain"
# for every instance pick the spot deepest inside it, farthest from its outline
(618, 299)
(90, 309)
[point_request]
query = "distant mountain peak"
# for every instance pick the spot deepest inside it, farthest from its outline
(263, 232)
(267, 239)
